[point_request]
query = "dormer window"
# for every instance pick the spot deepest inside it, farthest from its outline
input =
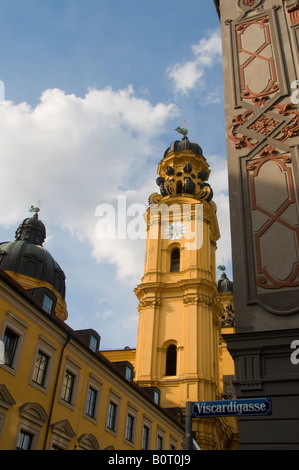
(129, 373)
(90, 338)
(93, 344)
(47, 303)
(157, 397)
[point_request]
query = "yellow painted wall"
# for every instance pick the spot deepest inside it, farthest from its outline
(182, 308)
(38, 328)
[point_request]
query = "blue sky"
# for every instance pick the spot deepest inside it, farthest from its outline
(93, 92)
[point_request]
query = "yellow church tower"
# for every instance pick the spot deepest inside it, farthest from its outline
(179, 309)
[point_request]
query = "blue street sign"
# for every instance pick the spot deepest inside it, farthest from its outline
(255, 406)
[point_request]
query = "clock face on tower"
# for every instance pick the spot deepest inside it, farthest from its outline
(175, 231)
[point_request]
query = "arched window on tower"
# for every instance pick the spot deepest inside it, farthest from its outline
(175, 260)
(171, 356)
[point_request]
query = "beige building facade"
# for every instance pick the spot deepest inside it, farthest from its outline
(261, 72)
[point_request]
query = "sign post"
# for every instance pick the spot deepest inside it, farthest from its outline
(188, 426)
(243, 407)
(212, 409)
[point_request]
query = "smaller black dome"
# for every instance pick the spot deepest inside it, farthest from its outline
(32, 260)
(27, 256)
(31, 230)
(184, 144)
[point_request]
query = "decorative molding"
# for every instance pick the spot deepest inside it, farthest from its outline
(293, 12)
(248, 5)
(257, 121)
(258, 54)
(63, 429)
(6, 400)
(291, 129)
(33, 412)
(240, 140)
(149, 303)
(264, 125)
(275, 215)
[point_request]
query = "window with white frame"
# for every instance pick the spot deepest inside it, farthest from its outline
(91, 402)
(93, 398)
(145, 445)
(113, 412)
(40, 368)
(173, 443)
(42, 364)
(68, 386)
(159, 442)
(25, 440)
(129, 427)
(10, 340)
(131, 422)
(12, 336)
(70, 383)
(111, 421)
(146, 433)
(33, 418)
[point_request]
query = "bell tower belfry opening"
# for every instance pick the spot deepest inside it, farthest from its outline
(179, 309)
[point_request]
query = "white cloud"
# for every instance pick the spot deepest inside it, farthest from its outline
(190, 74)
(75, 153)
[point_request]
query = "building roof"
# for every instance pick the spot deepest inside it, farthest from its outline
(26, 255)
(184, 144)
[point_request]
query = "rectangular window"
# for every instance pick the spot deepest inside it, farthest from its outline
(47, 303)
(10, 341)
(128, 373)
(91, 402)
(157, 397)
(40, 368)
(145, 438)
(129, 428)
(93, 344)
(24, 441)
(68, 386)
(111, 416)
(159, 442)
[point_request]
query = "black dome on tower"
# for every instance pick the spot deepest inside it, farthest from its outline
(184, 144)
